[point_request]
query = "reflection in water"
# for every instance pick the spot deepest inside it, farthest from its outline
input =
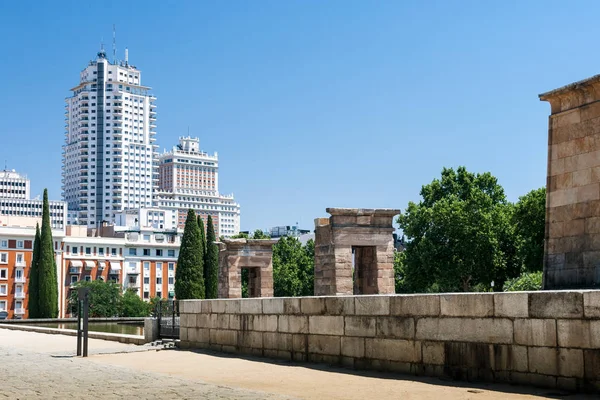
(110, 327)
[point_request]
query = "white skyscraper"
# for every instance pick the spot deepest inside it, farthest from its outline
(109, 156)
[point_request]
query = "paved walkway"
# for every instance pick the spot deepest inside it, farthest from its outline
(35, 365)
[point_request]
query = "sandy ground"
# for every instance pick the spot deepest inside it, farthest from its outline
(308, 381)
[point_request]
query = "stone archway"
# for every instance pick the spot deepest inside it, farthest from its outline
(256, 255)
(354, 252)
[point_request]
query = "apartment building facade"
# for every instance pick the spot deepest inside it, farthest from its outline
(189, 179)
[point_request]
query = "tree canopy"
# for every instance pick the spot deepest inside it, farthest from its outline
(211, 262)
(47, 279)
(529, 219)
(33, 289)
(106, 300)
(293, 267)
(189, 274)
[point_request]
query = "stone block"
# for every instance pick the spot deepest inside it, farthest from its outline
(203, 321)
(592, 364)
(291, 306)
(353, 347)
(183, 333)
(543, 360)
(544, 381)
(235, 322)
(232, 306)
(198, 335)
(535, 332)
(591, 304)
(482, 330)
(513, 305)
(293, 324)
(372, 305)
(205, 306)
(251, 306)
(568, 384)
(510, 358)
(395, 327)
(578, 333)
(300, 343)
(433, 353)
(223, 337)
(570, 363)
(217, 306)
(272, 306)
(185, 306)
(339, 305)
(312, 305)
(322, 344)
(467, 305)
(360, 326)
(264, 323)
(326, 325)
(415, 305)
(278, 341)
(393, 350)
(556, 305)
(250, 339)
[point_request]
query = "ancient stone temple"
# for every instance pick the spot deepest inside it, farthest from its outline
(572, 248)
(354, 252)
(254, 255)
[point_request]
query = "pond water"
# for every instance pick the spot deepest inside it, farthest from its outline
(130, 328)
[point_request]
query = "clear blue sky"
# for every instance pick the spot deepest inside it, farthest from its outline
(310, 104)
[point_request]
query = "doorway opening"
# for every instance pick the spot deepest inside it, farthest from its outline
(364, 269)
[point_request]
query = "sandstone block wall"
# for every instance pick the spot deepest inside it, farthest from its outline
(573, 187)
(549, 339)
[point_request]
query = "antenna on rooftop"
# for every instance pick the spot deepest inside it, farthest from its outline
(114, 45)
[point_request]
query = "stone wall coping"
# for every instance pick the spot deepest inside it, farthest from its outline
(363, 211)
(570, 87)
(234, 243)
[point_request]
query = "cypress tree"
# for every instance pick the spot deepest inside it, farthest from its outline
(189, 280)
(202, 244)
(33, 289)
(211, 262)
(47, 278)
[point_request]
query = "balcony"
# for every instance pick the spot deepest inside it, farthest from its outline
(20, 295)
(20, 311)
(20, 279)
(132, 271)
(20, 264)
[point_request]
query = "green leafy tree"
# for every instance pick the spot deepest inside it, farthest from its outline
(529, 219)
(241, 235)
(202, 245)
(211, 262)
(189, 279)
(33, 289)
(47, 278)
(525, 281)
(258, 234)
(459, 235)
(293, 268)
(104, 299)
(132, 305)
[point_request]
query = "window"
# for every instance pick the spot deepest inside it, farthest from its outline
(2, 305)
(73, 279)
(88, 278)
(3, 258)
(146, 252)
(159, 281)
(88, 251)
(3, 289)
(100, 278)
(75, 250)
(171, 266)
(171, 253)
(3, 273)
(19, 244)
(113, 251)
(20, 258)
(159, 252)
(18, 274)
(158, 294)
(146, 266)
(132, 252)
(146, 238)
(146, 280)
(159, 268)
(4, 244)
(100, 251)
(171, 280)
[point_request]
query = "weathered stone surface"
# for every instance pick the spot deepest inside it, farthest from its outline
(555, 305)
(312, 305)
(251, 306)
(543, 360)
(415, 305)
(510, 358)
(293, 324)
(321, 344)
(291, 306)
(198, 335)
(592, 364)
(272, 306)
(535, 332)
(278, 341)
(591, 304)
(264, 323)
(570, 363)
(360, 326)
(578, 333)
(467, 305)
(353, 347)
(514, 305)
(395, 327)
(326, 325)
(483, 330)
(342, 305)
(223, 337)
(433, 353)
(250, 339)
(394, 350)
(372, 305)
